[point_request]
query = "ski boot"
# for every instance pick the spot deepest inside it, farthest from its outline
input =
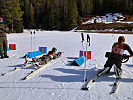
(2, 57)
(5, 56)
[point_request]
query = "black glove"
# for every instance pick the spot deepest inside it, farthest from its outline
(59, 54)
(125, 56)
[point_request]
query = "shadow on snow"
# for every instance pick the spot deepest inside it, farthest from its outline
(78, 76)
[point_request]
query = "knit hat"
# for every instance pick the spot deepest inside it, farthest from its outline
(54, 49)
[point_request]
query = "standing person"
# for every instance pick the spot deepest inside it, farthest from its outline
(118, 49)
(3, 39)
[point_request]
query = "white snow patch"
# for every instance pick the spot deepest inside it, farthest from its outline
(60, 80)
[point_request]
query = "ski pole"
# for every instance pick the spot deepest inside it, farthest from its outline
(31, 40)
(82, 42)
(88, 39)
(87, 44)
(34, 43)
(85, 78)
(83, 56)
(82, 37)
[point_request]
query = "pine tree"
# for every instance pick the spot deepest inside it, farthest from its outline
(51, 13)
(57, 14)
(89, 7)
(130, 8)
(13, 15)
(81, 7)
(2, 6)
(32, 16)
(45, 14)
(26, 15)
(72, 15)
(69, 15)
(57, 23)
(63, 15)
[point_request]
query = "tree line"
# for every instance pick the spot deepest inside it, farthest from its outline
(57, 14)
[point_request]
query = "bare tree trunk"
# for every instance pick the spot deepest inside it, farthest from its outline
(12, 26)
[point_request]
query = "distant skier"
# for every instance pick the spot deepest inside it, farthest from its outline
(46, 58)
(116, 57)
(3, 39)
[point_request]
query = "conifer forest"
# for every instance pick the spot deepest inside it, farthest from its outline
(60, 15)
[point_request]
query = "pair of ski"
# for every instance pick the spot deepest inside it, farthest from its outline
(16, 68)
(24, 66)
(35, 71)
(40, 67)
(93, 79)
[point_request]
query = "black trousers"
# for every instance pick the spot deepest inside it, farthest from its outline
(111, 61)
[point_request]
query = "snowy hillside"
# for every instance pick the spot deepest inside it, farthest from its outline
(108, 18)
(59, 80)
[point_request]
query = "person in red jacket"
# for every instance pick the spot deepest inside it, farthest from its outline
(118, 49)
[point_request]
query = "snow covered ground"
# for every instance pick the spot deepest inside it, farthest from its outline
(59, 80)
(108, 18)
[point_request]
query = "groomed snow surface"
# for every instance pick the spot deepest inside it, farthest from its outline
(60, 80)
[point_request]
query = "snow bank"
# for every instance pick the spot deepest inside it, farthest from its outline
(108, 18)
